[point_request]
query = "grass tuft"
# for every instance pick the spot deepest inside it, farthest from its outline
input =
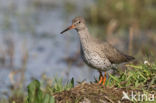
(136, 77)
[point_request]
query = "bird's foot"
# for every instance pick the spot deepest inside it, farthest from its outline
(102, 79)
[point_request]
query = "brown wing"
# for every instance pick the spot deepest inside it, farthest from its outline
(114, 55)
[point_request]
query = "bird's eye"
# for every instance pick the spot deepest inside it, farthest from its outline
(79, 22)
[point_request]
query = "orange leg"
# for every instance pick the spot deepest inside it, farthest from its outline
(104, 79)
(100, 81)
(101, 77)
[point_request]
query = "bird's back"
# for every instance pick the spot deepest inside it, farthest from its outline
(113, 55)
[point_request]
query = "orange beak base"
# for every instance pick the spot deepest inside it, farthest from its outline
(69, 28)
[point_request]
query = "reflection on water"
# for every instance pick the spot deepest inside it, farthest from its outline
(30, 41)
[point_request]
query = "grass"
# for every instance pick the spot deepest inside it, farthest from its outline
(136, 77)
(38, 95)
(59, 87)
(35, 95)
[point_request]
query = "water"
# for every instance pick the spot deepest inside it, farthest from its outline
(26, 27)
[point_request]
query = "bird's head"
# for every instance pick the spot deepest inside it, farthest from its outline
(78, 23)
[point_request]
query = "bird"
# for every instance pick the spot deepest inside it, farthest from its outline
(99, 55)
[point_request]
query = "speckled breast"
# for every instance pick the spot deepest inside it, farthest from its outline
(94, 60)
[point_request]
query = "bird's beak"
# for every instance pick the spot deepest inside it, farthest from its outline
(69, 28)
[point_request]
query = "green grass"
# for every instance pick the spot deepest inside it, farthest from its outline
(36, 95)
(58, 86)
(136, 77)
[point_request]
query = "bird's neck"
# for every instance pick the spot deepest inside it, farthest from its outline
(85, 37)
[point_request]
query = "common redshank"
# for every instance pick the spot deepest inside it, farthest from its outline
(95, 53)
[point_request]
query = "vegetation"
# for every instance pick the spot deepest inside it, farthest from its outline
(126, 13)
(136, 77)
(140, 77)
(35, 95)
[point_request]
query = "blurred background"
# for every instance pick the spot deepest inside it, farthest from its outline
(31, 45)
